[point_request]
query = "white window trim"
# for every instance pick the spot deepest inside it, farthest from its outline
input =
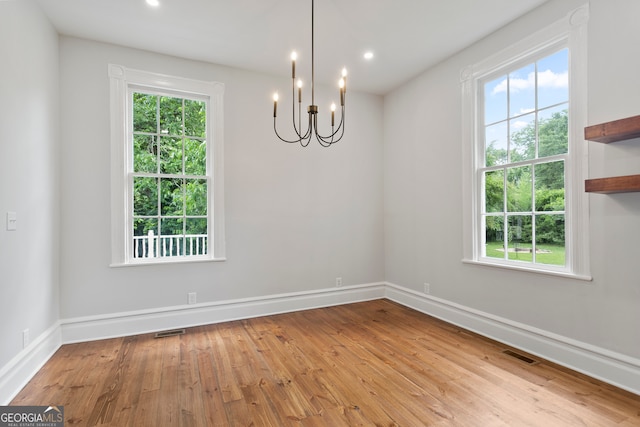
(122, 79)
(572, 31)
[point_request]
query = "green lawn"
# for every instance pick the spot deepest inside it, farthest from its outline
(554, 256)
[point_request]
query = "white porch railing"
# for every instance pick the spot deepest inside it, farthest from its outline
(152, 246)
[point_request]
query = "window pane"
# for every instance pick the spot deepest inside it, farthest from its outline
(196, 236)
(196, 225)
(553, 131)
(170, 155)
(142, 226)
(495, 101)
(195, 118)
(519, 189)
(144, 243)
(520, 242)
(144, 113)
(522, 94)
(172, 237)
(196, 196)
(494, 236)
(550, 244)
(172, 226)
(145, 196)
(145, 150)
(523, 138)
(195, 157)
(494, 191)
(171, 116)
(553, 79)
(496, 144)
(550, 186)
(172, 197)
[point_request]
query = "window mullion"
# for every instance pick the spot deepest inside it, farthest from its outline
(508, 120)
(158, 242)
(505, 222)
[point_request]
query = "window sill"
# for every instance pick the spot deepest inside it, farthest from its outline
(529, 270)
(164, 261)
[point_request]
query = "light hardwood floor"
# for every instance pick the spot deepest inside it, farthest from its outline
(372, 363)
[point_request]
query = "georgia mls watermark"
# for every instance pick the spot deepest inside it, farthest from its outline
(31, 416)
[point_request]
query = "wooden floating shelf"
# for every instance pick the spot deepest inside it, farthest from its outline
(617, 130)
(617, 184)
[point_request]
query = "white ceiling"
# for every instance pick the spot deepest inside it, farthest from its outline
(406, 36)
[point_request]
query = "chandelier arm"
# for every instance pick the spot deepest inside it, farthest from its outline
(324, 141)
(295, 141)
(298, 130)
(299, 120)
(340, 128)
(304, 142)
(342, 125)
(330, 139)
(307, 134)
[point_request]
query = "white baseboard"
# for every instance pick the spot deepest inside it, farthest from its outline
(613, 368)
(610, 367)
(184, 316)
(17, 373)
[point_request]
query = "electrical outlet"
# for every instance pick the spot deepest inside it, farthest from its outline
(192, 297)
(25, 338)
(338, 282)
(427, 288)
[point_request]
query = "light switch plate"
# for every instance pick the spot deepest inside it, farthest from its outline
(12, 221)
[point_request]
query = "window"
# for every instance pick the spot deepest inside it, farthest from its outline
(525, 155)
(525, 116)
(166, 168)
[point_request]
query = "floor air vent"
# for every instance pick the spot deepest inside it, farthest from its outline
(170, 333)
(519, 356)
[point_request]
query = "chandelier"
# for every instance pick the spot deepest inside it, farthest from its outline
(305, 137)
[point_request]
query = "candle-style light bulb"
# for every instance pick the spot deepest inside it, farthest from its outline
(299, 90)
(294, 56)
(333, 114)
(344, 78)
(275, 103)
(341, 84)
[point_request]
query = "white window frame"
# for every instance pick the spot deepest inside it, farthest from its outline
(570, 32)
(123, 81)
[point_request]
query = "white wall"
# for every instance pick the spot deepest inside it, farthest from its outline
(29, 295)
(423, 172)
(295, 218)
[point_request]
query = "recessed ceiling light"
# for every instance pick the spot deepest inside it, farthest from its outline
(154, 3)
(368, 55)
